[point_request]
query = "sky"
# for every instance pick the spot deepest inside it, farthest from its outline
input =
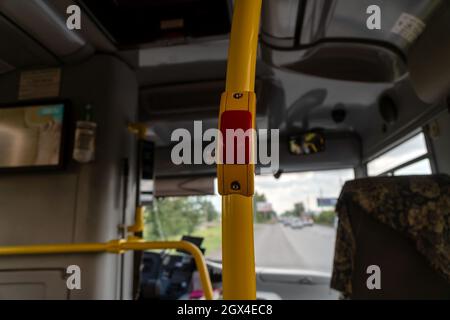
(406, 151)
(304, 187)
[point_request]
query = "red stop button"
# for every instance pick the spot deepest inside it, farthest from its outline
(235, 127)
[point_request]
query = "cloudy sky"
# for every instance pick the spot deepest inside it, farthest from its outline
(406, 151)
(305, 187)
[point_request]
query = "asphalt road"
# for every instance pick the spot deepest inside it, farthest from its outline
(278, 246)
(310, 248)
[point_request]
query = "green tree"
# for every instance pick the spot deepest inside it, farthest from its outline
(260, 197)
(297, 211)
(325, 217)
(173, 217)
(262, 217)
(207, 209)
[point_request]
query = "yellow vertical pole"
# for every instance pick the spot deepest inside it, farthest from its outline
(239, 280)
(243, 46)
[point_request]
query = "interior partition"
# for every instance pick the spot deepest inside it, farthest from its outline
(80, 202)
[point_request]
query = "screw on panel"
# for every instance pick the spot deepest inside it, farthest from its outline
(238, 95)
(235, 186)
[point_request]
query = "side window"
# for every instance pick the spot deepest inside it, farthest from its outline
(409, 158)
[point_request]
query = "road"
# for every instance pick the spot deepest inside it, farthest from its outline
(278, 246)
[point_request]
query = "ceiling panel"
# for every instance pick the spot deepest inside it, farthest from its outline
(22, 51)
(133, 22)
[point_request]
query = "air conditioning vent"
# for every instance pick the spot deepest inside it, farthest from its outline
(193, 99)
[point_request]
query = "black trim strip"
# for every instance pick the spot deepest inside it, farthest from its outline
(300, 20)
(379, 43)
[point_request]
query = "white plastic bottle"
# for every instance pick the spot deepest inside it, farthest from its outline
(85, 133)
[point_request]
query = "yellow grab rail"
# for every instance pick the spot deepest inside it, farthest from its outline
(238, 273)
(118, 246)
(241, 68)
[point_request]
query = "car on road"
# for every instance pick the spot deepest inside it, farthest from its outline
(297, 224)
(308, 222)
(286, 221)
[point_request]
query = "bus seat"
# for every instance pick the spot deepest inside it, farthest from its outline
(401, 225)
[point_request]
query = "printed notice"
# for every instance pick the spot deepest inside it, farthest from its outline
(408, 27)
(39, 84)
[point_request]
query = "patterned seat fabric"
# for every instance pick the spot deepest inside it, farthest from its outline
(417, 207)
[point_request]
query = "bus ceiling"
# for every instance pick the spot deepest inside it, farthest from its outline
(317, 68)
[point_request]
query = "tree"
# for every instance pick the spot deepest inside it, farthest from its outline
(262, 217)
(172, 217)
(207, 209)
(260, 197)
(325, 217)
(297, 211)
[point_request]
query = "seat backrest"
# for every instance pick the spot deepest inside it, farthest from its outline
(401, 225)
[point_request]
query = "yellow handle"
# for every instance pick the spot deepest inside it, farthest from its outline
(242, 52)
(138, 225)
(118, 246)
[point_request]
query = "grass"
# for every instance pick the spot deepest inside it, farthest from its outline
(213, 237)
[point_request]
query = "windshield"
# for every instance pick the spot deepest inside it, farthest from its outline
(294, 220)
(171, 218)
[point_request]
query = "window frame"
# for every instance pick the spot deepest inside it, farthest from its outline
(390, 172)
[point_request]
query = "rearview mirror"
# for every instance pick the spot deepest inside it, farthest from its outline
(307, 143)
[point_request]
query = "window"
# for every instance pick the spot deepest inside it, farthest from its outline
(170, 218)
(419, 167)
(409, 158)
(294, 220)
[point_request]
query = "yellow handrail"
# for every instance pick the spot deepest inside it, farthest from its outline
(242, 52)
(239, 279)
(118, 246)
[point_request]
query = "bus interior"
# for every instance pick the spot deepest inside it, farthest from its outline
(107, 162)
